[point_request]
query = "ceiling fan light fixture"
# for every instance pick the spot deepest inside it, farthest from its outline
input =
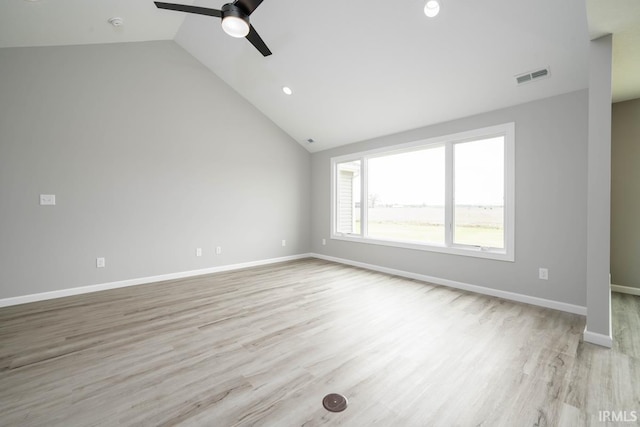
(432, 8)
(234, 17)
(235, 27)
(234, 21)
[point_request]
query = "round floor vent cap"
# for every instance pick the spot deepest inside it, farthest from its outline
(334, 402)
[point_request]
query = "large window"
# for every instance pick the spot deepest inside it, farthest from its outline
(452, 194)
(401, 207)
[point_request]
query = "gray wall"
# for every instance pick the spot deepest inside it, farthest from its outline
(599, 191)
(625, 194)
(551, 200)
(150, 156)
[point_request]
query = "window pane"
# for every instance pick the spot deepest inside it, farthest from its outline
(406, 196)
(479, 193)
(348, 197)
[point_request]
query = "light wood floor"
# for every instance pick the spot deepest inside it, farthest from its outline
(263, 346)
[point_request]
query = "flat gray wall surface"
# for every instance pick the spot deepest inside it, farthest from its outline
(625, 194)
(551, 201)
(599, 189)
(150, 156)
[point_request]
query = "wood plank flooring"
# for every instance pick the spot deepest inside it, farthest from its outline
(262, 346)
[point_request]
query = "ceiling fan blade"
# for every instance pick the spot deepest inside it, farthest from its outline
(248, 5)
(256, 41)
(189, 9)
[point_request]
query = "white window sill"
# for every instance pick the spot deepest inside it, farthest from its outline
(470, 251)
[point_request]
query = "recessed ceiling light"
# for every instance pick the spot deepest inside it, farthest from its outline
(287, 90)
(432, 8)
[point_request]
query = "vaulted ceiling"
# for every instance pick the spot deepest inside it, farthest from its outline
(359, 68)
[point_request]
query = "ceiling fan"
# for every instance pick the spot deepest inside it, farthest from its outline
(235, 19)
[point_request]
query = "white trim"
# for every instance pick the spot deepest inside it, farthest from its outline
(334, 192)
(142, 280)
(598, 339)
(472, 251)
(510, 191)
(488, 131)
(449, 208)
(625, 289)
(512, 296)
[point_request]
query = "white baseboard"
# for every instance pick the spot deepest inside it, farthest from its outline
(142, 280)
(512, 296)
(598, 339)
(625, 289)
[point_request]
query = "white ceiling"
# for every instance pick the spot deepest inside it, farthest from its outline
(69, 22)
(622, 19)
(359, 68)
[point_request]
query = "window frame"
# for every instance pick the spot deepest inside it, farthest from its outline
(507, 130)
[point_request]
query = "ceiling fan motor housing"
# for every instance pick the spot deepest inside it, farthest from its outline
(231, 9)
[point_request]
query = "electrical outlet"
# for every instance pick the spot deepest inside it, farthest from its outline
(47, 200)
(543, 274)
(324, 242)
(198, 251)
(100, 263)
(284, 242)
(218, 250)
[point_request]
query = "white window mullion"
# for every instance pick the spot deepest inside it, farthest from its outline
(334, 198)
(364, 197)
(509, 189)
(448, 195)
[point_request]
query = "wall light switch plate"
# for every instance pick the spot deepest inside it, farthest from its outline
(198, 251)
(47, 199)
